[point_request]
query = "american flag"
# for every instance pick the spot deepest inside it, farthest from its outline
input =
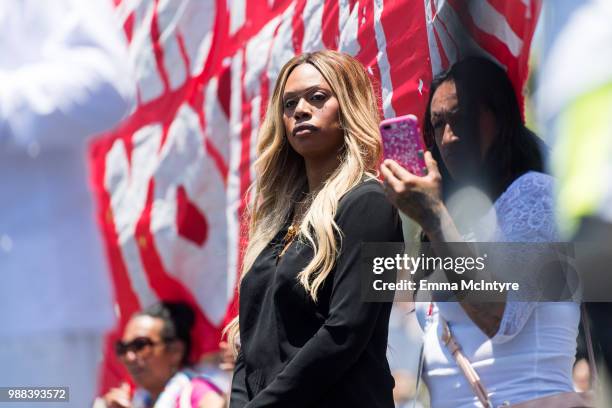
(170, 181)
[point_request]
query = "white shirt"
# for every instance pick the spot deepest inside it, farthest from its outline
(533, 352)
(63, 78)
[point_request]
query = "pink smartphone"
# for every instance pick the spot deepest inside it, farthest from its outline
(403, 143)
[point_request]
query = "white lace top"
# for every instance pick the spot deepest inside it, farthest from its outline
(533, 352)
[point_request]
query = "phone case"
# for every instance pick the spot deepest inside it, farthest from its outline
(403, 143)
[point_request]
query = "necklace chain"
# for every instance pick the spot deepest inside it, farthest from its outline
(301, 208)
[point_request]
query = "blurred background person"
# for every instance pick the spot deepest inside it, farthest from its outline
(155, 349)
(403, 350)
(581, 375)
(405, 392)
(575, 110)
(574, 107)
(63, 78)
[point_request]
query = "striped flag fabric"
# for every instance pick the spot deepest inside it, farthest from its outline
(170, 181)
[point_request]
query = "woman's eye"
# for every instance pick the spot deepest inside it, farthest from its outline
(318, 96)
(454, 119)
(437, 124)
(290, 104)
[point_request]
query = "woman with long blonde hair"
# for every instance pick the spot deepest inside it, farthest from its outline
(306, 339)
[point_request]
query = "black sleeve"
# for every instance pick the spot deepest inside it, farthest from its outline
(366, 216)
(239, 397)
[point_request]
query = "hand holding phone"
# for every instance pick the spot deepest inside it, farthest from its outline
(403, 143)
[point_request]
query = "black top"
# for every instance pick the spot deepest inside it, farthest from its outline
(297, 353)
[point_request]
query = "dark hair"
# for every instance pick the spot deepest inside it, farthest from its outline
(178, 319)
(481, 83)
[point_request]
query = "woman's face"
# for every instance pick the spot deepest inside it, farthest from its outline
(311, 115)
(150, 361)
(449, 124)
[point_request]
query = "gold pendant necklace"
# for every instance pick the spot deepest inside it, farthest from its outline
(294, 228)
(291, 233)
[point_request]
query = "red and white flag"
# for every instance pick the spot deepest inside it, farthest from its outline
(171, 179)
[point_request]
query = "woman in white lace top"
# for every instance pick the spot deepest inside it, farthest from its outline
(520, 350)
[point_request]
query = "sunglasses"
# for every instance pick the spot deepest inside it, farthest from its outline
(137, 346)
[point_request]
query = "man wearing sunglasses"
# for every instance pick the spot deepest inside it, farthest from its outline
(155, 349)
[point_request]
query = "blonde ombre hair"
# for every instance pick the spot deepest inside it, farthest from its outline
(281, 175)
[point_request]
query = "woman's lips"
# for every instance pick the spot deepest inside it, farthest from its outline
(452, 151)
(304, 129)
